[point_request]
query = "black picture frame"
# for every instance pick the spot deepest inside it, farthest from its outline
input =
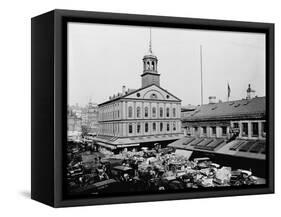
(49, 102)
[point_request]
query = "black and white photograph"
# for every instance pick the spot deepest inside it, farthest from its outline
(140, 108)
(158, 110)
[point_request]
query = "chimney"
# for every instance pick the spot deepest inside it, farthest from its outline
(212, 99)
(123, 89)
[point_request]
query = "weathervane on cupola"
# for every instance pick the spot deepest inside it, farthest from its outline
(150, 74)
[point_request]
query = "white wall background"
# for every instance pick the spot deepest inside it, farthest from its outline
(15, 106)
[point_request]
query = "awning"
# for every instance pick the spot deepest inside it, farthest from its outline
(106, 145)
(128, 145)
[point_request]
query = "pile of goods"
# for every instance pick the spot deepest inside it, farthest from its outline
(150, 170)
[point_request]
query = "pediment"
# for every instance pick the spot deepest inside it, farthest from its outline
(152, 92)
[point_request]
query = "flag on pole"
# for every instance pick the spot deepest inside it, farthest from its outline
(228, 90)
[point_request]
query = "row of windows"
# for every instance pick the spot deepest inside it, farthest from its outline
(116, 114)
(213, 130)
(109, 129)
(109, 114)
(254, 129)
(244, 129)
(167, 126)
(153, 114)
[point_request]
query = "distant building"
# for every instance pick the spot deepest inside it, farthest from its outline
(76, 109)
(74, 124)
(234, 133)
(141, 117)
(92, 118)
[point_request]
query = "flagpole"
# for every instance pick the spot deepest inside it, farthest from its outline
(228, 91)
(201, 69)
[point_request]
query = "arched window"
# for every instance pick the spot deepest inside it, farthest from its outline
(153, 65)
(168, 127)
(161, 127)
(130, 128)
(167, 112)
(130, 112)
(146, 112)
(138, 112)
(174, 112)
(153, 112)
(148, 65)
(154, 126)
(146, 127)
(161, 112)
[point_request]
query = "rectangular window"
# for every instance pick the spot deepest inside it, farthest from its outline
(154, 126)
(244, 129)
(255, 129)
(161, 112)
(224, 130)
(174, 127)
(204, 130)
(235, 125)
(168, 127)
(161, 127)
(195, 131)
(214, 131)
(130, 128)
(146, 127)
(138, 128)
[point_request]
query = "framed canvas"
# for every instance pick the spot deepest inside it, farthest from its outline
(134, 108)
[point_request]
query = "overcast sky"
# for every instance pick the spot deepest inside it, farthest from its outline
(102, 58)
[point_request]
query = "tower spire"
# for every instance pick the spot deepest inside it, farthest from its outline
(150, 42)
(150, 74)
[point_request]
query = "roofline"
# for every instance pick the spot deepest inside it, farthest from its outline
(108, 101)
(232, 116)
(258, 97)
(121, 97)
(167, 92)
(260, 115)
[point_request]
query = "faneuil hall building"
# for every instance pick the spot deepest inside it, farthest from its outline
(140, 117)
